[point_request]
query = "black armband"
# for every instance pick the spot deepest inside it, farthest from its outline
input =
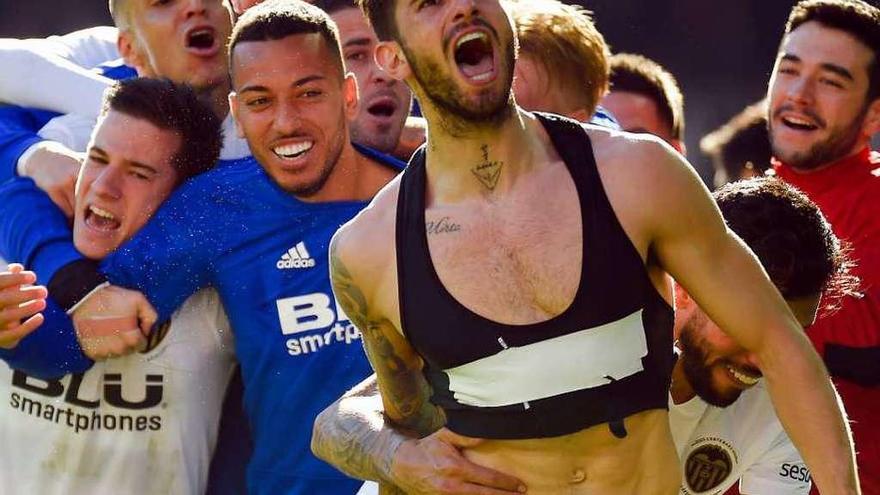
(74, 281)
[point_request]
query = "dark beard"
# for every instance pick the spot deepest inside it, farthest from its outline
(836, 146)
(699, 375)
(459, 117)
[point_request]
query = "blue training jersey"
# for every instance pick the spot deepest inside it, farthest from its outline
(266, 253)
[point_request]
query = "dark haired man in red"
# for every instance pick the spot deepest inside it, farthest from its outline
(824, 106)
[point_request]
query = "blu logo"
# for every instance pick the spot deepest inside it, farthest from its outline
(111, 390)
(308, 312)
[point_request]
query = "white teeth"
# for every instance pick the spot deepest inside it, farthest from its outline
(102, 213)
(742, 377)
(293, 150)
(799, 121)
(482, 77)
(470, 37)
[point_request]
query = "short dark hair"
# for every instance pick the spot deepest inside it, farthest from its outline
(333, 6)
(741, 143)
(859, 19)
(278, 19)
(380, 13)
(638, 74)
(790, 237)
(173, 107)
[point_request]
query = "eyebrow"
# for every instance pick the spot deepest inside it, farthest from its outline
(834, 68)
(98, 150)
(357, 42)
(143, 167)
(136, 164)
(299, 82)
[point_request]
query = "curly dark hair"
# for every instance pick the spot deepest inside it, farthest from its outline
(173, 107)
(790, 237)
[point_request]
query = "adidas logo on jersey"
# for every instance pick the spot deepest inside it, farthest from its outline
(296, 257)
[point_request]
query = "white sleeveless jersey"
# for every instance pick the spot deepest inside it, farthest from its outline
(743, 442)
(141, 424)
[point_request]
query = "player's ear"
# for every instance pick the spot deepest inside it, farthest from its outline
(871, 124)
(233, 108)
(350, 95)
(127, 46)
(389, 56)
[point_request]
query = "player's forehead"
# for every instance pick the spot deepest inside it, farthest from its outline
(351, 19)
(815, 44)
(120, 137)
(290, 59)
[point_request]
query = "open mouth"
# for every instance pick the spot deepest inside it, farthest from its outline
(201, 40)
(744, 377)
(474, 56)
(101, 219)
(798, 123)
(293, 151)
(382, 108)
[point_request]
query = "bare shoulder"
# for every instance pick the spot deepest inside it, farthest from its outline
(365, 245)
(638, 158)
(645, 179)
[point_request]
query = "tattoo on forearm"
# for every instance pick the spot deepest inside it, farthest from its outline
(488, 172)
(443, 226)
(355, 444)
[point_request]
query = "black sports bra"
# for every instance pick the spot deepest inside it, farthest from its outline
(608, 356)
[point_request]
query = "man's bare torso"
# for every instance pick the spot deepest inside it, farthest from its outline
(516, 259)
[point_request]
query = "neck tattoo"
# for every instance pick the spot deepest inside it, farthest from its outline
(488, 172)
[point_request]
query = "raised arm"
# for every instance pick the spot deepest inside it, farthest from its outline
(688, 237)
(355, 436)
(53, 73)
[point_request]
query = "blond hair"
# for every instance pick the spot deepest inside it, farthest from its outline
(564, 40)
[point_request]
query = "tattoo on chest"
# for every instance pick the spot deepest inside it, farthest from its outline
(443, 226)
(488, 172)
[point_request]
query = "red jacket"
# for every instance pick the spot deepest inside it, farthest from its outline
(848, 193)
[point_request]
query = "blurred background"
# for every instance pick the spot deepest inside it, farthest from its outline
(721, 51)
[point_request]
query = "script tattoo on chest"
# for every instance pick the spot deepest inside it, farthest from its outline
(488, 172)
(443, 226)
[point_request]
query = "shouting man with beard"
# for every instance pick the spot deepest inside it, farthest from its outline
(563, 372)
